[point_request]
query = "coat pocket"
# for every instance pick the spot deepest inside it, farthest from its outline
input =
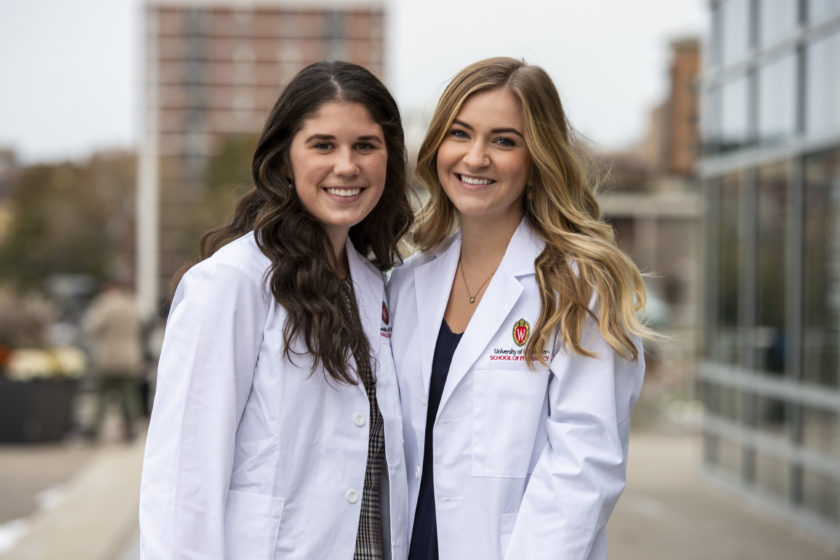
(507, 409)
(252, 522)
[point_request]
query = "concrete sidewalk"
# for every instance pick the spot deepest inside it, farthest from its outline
(94, 514)
(669, 510)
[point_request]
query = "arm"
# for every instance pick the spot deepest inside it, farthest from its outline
(205, 371)
(582, 469)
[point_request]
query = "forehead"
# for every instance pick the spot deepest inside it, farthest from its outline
(495, 108)
(342, 115)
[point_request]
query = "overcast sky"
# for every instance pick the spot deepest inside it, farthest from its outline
(69, 68)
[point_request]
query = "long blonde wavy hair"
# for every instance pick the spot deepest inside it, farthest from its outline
(580, 258)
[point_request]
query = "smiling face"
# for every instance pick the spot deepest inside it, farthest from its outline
(483, 162)
(339, 161)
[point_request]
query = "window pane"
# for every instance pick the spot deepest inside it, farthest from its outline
(768, 337)
(820, 494)
(821, 273)
(712, 54)
(735, 21)
(735, 117)
(710, 117)
(778, 19)
(726, 337)
(729, 458)
(771, 417)
(729, 404)
(711, 443)
(822, 86)
(821, 9)
(711, 397)
(821, 431)
(771, 475)
(777, 99)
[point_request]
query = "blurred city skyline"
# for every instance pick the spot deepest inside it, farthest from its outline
(71, 70)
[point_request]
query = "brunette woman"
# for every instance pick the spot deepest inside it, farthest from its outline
(276, 426)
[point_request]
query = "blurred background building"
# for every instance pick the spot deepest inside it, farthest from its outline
(770, 169)
(213, 70)
(653, 201)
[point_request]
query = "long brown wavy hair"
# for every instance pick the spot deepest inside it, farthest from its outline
(303, 276)
(580, 258)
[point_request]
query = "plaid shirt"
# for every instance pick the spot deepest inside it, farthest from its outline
(369, 538)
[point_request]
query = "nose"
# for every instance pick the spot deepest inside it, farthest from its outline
(345, 163)
(476, 156)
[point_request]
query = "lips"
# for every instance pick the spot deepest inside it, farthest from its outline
(474, 180)
(345, 192)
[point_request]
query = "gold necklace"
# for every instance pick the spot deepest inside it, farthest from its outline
(464, 278)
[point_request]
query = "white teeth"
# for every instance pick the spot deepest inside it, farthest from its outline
(343, 192)
(475, 180)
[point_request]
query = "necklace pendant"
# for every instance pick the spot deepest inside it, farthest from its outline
(472, 300)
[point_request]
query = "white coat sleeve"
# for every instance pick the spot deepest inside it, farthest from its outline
(582, 469)
(206, 367)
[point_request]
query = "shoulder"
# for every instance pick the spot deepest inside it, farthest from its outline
(362, 264)
(398, 273)
(242, 254)
(401, 273)
(228, 285)
(240, 263)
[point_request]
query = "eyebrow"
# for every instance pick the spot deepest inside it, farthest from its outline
(322, 137)
(494, 130)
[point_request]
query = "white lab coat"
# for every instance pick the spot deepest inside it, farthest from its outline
(528, 464)
(248, 455)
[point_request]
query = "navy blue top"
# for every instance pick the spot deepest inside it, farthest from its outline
(424, 545)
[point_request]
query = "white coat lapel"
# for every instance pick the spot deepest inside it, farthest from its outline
(498, 301)
(368, 288)
(432, 282)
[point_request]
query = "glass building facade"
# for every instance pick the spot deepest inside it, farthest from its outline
(770, 377)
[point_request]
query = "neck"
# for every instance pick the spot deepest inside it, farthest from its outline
(485, 241)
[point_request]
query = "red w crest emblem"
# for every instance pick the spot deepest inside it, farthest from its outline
(521, 329)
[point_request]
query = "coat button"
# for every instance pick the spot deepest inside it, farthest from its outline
(423, 398)
(417, 472)
(359, 419)
(352, 496)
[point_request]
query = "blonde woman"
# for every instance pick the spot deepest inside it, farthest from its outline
(515, 335)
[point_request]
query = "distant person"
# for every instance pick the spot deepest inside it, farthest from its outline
(276, 428)
(515, 335)
(113, 330)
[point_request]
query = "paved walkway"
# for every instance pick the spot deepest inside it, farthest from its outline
(93, 514)
(34, 475)
(669, 510)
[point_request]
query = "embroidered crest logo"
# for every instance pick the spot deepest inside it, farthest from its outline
(521, 330)
(386, 317)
